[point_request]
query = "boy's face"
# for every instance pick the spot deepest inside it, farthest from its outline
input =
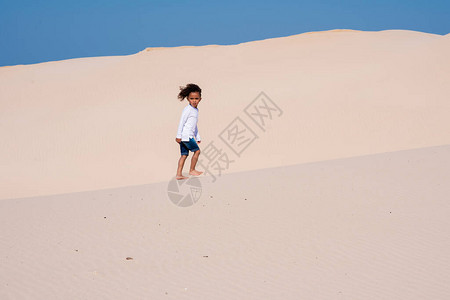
(194, 99)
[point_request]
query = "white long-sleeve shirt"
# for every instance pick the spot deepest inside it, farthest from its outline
(188, 124)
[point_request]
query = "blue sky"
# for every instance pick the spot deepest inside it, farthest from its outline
(33, 31)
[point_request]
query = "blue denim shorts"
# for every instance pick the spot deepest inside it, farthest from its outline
(186, 146)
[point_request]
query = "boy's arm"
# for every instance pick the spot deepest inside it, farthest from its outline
(183, 120)
(197, 134)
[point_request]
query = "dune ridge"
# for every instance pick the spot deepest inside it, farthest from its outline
(102, 122)
(339, 192)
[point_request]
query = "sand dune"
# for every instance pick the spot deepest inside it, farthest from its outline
(94, 123)
(336, 186)
(368, 227)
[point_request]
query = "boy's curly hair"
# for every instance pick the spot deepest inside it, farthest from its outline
(189, 88)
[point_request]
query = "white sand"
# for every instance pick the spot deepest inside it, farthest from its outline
(370, 227)
(94, 123)
(346, 191)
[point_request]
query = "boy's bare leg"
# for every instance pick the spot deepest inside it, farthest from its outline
(194, 160)
(180, 167)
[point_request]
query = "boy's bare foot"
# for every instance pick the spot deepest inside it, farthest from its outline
(195, 172)
(181, 177)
